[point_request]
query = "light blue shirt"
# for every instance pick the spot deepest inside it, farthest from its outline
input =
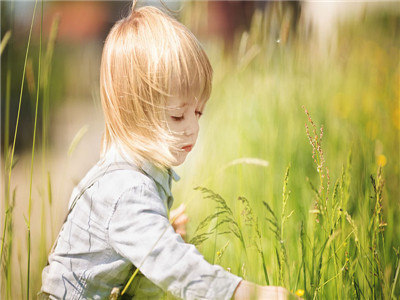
(119, 221)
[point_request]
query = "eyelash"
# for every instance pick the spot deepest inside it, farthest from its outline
(180, 118)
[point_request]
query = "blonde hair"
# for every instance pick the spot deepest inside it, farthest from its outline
(147, 58)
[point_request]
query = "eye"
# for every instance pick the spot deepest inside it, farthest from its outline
(199, 113)
(177, 118)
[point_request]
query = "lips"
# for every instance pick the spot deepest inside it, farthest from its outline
(187, 148)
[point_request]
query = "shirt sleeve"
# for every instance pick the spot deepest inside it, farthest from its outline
(139, 230)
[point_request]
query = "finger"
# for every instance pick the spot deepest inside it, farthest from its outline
(181, 220)
(180, 228)
(180, 210)
(274, 292)
(176, 212)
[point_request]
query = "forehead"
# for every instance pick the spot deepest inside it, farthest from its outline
(183, 102)
(177, 102)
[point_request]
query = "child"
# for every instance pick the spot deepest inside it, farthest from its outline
(155, 81)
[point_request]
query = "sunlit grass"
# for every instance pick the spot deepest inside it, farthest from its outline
(333, 249)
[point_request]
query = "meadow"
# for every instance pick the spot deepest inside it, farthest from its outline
(295, 177)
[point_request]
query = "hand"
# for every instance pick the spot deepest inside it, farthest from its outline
(178, 219)
(248, 290)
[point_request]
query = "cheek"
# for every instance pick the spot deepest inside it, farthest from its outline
(174, 127)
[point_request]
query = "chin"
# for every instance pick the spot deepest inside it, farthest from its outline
(179, 159)
(177, 163)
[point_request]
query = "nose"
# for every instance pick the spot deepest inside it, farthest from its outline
(192, 126)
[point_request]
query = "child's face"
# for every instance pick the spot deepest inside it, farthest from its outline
(183, 121)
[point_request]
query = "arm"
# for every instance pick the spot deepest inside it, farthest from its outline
(139, 230)
(178, 220)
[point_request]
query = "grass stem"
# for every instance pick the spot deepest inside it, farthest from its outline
(33, 155)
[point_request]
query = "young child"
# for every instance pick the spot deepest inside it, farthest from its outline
(155, 82)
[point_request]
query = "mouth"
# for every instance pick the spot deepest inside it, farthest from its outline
(187, 148)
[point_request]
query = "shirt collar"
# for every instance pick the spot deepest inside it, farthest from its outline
(163, 177)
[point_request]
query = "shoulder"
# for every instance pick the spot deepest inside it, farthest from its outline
(124, 178)
(130, 194)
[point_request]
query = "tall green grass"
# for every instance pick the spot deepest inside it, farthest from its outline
(41, 87)
(334, 262)
(336, 235)
(8, 233)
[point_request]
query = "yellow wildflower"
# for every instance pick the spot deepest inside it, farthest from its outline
(381, 160)
(300, 293)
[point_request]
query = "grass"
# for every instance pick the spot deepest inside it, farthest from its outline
(326, 226)
(9, 208)
(327, 245)
(341, 265)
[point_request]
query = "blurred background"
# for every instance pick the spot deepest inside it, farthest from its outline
(338, 59)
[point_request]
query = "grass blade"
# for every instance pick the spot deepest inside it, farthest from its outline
(4, 41)
(77, 138)
(33, 155)
(396, 277)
